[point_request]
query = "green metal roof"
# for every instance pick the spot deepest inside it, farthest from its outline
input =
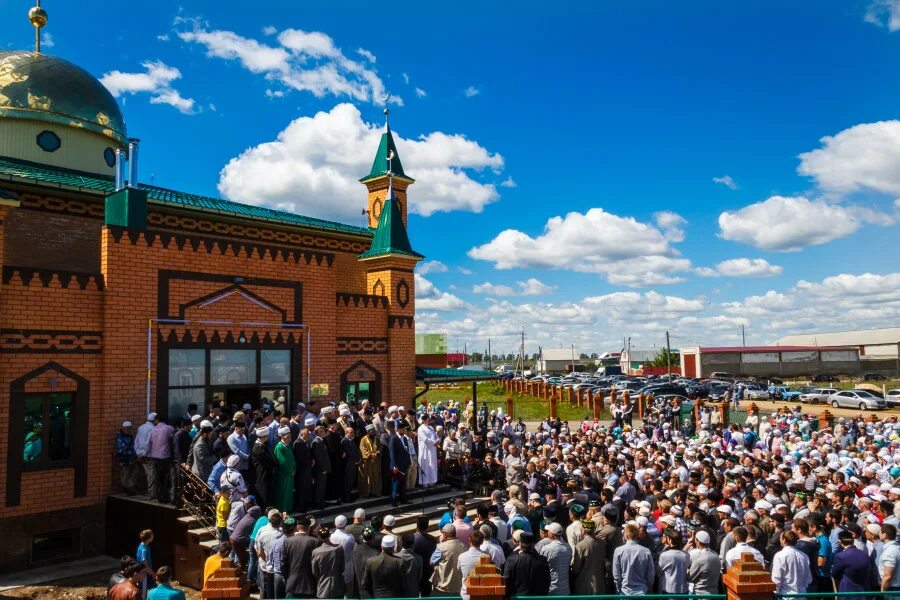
(380, 166)
(59, 177)
(390, 235)
(428, 375)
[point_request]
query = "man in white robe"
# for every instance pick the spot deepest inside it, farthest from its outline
(427, 453)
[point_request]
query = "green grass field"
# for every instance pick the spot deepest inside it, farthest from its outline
(530, 409)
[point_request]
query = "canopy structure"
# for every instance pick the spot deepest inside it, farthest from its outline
(428, 376)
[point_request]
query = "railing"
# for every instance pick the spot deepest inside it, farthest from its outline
(838, 595)
(193, 495)
(650, 596)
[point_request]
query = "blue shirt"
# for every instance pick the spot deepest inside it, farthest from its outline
(826, 553)
(165, 592)
(215, 475)
(144, 555)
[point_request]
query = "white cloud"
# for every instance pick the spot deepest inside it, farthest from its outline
(163, 37)
(530, 287)
(269, 30)
(156, 81)
(865, 156)
(508, 183)
(405, 77)
(366, 55)
(884, 13)
(788, 224)
(671, 223)
(303, 60)
(742, 267)
(314, 165)
(727, 181)
(768, 303)
(428, 297)
(47, 40)
(432, 266)
(420, 93)
(624, 250)
(463, 271)
(471, 91)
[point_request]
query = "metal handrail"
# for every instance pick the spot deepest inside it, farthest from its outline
(194, 496)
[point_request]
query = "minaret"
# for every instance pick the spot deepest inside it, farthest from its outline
(377, 181)
(389, 264)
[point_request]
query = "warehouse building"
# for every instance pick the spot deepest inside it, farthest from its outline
(770, 361)
(879, 349)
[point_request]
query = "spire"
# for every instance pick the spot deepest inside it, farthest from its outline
(382, 163)
(38, 18)
(390, 235)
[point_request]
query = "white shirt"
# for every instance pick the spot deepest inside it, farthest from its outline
(734, 555)
(790, 571)
(465, 563)
(341, 538)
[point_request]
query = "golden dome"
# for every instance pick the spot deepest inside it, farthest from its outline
(38, 87)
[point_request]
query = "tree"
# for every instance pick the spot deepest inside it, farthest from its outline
(594, 356)
(661, 359)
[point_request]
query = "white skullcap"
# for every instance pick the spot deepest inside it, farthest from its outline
(151, 416)
(392, 409)
(126, 424)
(262, 431)
(344, 412)
(874, 529)
(273, 513)
(340, 521)
(284, 430)
(389, 520)
(206, 424)
(247, 407)
(642, 521)
(702, 537)
(388, 541)
(196, 418)
(233, 461)
(724, 508)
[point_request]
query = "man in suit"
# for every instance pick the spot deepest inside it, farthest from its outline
(424, 546)
(526, 573)
(296, 562)
(400, 462)
(262, 465)
(384, 574)
(851, 565)
(321, 466)
(303, 475)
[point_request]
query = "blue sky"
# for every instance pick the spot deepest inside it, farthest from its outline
(637, 166)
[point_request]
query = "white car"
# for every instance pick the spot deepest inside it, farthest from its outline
(892, 398)
(860, 399)
(818, 395)
(756, 393)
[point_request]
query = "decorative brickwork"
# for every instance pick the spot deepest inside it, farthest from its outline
(50, 341)
(349, 345)
(226, 582)
(45, 277)
(348, 298)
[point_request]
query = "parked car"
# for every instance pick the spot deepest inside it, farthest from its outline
(874, 377)
(721, 375)
(784, 392)
(892, 398)
(755, 391)
(823, 378)
(861, 399)
(818, 396)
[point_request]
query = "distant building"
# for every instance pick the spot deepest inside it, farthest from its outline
(633, 361)
(878, 348)
(770, 361)
(557, 360)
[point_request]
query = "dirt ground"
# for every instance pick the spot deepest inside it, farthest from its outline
(83, 587)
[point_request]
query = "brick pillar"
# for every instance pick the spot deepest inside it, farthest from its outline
(723, 411)
(553, 407)
(697, 404)
(510, 407)
(747, 580)
(826, 419)
(612, 397)
(626, 398)
(484, 583)
(226, 582)
(568, 395)
(597, 402)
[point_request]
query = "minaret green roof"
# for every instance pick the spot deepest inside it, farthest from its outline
(390, 235)
(381, 166)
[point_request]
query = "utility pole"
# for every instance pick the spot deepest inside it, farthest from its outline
(573, 358)
(490, 358)
(628, 352)
(743, 336)
(668, 358)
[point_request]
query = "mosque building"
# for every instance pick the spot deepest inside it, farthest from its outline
(119, 299)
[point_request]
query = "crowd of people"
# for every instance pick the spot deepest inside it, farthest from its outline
(652, 506)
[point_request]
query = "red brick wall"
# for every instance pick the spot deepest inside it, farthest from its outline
(56, 241)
